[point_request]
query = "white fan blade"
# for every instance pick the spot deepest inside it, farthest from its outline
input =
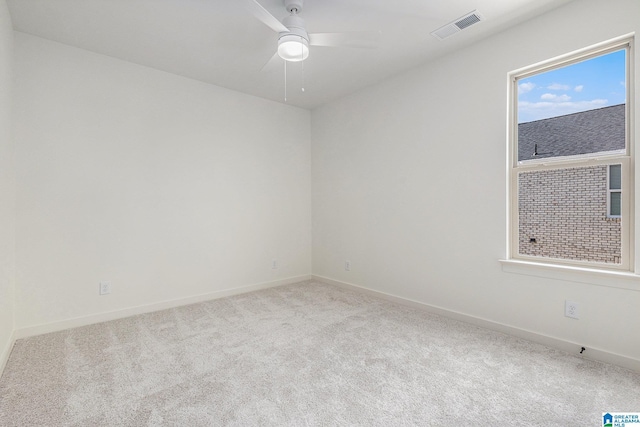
(263, 15)
(271, 63)
(358, 39)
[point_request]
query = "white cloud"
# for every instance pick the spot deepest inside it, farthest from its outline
(525, 87)
(558, 86)
(578, 88)
(557, 98)
(529, 111)
(623, 84)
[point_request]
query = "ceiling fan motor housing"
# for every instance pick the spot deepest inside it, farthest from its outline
(296, 26)
(293, 45)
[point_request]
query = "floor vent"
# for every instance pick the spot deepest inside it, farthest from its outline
(457, 25)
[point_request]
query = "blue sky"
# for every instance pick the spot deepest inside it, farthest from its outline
(586, 85)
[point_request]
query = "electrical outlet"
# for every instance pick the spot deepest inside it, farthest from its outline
(274, 264)
(347, 266)
(572, 309)
(105, 288)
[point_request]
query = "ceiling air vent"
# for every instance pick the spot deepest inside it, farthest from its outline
(457, 25)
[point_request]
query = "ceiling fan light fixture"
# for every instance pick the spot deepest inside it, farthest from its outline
(293, 48)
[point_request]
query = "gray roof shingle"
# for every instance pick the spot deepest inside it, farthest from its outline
(590, 131)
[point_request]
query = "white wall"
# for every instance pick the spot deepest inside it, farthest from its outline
(7, 183)
(167, 187)
(409, 184)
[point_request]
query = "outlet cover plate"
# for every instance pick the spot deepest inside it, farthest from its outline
(572, 309)
(105, 288)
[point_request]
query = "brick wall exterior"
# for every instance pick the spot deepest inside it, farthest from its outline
(565, 210)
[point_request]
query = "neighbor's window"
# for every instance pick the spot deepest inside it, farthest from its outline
(570, 173)
(615, 191)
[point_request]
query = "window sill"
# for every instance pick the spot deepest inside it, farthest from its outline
(592, 276)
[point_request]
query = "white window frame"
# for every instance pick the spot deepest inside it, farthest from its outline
(622, 157)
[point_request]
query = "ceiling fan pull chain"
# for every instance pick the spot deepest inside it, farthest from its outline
(285, 81)
(302, 61)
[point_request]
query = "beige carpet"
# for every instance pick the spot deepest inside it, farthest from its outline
(304, 354)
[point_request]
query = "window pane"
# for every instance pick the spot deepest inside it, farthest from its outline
(562, 214)
(578, 109)
(616, 203)
(614, 177)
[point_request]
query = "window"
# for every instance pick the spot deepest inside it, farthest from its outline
(570, 164)
(614, 198)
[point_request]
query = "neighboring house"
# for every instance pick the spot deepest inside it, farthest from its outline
(563, 212)
(590, 131)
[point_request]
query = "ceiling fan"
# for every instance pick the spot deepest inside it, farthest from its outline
(293, 39)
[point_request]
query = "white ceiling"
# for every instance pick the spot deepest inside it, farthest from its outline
(220, 42)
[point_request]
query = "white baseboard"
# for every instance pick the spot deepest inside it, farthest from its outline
(46, 328)
(569, 347)
(6, 352)
(557, 343)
